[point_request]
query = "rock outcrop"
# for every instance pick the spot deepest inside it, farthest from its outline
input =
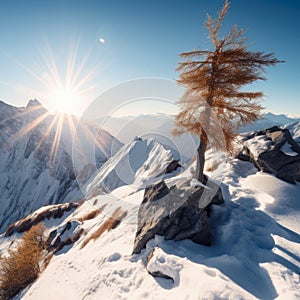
(64, 235)
(177, 213)
(274, 151)
(48, 212)
(173, 166)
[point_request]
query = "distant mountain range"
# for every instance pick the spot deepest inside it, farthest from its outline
(269, 120)
(160, 126)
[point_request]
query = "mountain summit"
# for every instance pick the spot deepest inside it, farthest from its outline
(34, 102)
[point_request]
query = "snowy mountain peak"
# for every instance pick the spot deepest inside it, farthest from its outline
(137, 163)
(33, 102)
(35, 105)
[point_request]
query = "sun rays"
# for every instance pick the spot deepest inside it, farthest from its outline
(64, 80)
(65, 86)
(69, 88)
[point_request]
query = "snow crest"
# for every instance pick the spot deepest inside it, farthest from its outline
(138, 163)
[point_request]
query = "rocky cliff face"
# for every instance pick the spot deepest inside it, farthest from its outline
(36, 165)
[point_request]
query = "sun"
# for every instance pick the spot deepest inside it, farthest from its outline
(64, 99)
(65, 84)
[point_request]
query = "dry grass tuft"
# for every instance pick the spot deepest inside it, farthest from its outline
(92, 214)
(111, 223)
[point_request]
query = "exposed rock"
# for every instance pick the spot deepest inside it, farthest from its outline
(64, 235)
(176, 213)
(244, 154)
(173, 166)
(52, 211)
(290, 172)
(280, 154)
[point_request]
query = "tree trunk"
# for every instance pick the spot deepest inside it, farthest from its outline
(201, 160)
(206, 127)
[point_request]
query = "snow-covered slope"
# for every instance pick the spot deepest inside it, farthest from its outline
(36, 159)
(255, 254)
(294, 130)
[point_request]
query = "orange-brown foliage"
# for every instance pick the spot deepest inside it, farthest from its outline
(111, 223)
(92, 214)
(22, 265)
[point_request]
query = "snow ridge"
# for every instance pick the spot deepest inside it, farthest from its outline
(137, 163)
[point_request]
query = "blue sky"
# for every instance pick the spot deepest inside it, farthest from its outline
(142, 39)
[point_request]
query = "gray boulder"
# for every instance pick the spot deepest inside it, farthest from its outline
(274, 158)
(177, 213)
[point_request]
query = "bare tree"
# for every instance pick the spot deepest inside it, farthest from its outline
(213, 80)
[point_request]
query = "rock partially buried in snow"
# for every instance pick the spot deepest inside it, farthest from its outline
(274, 151)
(159, 264)
(173, 166)
(176, 213)
(64, 235)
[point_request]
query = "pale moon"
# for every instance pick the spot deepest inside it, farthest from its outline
(102, 40)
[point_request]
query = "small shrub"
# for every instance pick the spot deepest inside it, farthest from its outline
(21, 266)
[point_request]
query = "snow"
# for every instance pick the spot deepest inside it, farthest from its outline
(286, 149)
(277, 198)
(165, 264)
(258, 144)
(195, 183)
